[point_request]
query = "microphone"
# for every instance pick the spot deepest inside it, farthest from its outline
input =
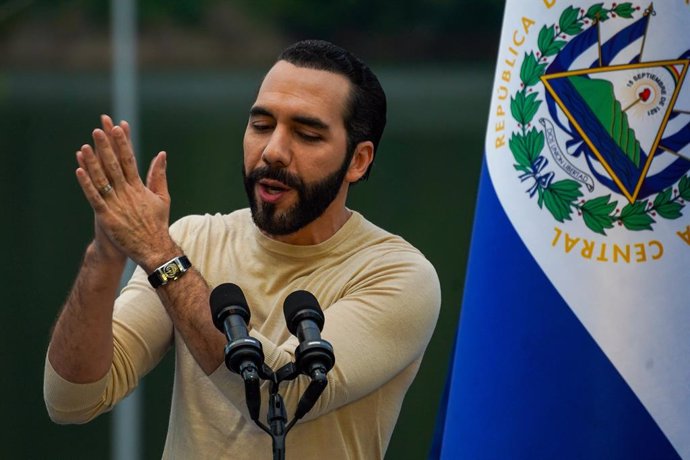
(305, 319)
(243, 354)
(314, 356)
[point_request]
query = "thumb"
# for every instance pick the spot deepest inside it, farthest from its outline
(156, 179)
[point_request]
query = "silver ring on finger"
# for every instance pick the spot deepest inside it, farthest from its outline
(105, 189)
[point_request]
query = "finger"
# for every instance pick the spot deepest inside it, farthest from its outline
(80, 160)
(109, 160)
(92, 195)
(156, 179)
(107, 126)
(128, 132)
(126, 156)
(88, 161)
(106, 123)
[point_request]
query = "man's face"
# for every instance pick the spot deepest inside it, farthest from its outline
(295, 157)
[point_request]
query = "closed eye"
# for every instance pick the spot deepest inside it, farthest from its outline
(261, 126)
(309, 137)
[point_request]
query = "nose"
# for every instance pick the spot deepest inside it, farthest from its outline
(277, 152)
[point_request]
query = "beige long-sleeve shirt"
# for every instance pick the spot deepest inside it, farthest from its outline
(380, 298)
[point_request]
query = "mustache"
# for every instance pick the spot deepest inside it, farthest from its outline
(279, 174)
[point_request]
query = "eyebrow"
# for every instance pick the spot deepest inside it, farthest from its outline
(312, 122)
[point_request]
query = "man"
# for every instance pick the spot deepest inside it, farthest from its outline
(312, 132)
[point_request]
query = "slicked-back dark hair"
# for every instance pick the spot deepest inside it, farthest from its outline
(365, 116)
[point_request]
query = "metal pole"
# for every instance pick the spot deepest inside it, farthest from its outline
(126, 426)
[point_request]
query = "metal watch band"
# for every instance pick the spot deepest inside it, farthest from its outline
(169, 271)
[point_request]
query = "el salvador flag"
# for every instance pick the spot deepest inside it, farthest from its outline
(574, 336)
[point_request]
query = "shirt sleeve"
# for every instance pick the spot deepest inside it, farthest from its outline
(142, 334)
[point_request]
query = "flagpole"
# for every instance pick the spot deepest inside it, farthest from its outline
(126, 425)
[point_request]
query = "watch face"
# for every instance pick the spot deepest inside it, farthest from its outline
(171, 270)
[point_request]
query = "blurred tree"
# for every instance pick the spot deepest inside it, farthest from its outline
(317, 16)
(377, 16)
(417, 29)
(424, 29)
(187, 12)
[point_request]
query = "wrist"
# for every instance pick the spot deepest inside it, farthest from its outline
(160, 255)
(171, 270)
(102, 269)
(95, 253)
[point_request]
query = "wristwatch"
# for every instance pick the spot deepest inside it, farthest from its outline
(169, 271)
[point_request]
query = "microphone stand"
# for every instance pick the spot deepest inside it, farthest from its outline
(277, 415)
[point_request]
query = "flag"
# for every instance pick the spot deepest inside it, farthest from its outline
(574, 335)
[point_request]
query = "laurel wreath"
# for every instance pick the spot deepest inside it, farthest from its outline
(563, 197)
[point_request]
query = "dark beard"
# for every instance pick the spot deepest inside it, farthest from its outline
(313, 199)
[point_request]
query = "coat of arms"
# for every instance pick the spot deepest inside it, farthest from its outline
(614, 149)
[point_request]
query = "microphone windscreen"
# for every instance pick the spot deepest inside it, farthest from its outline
(228, 298)
(301, 305)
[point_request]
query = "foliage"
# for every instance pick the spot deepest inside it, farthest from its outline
(526, 148)
(558, 198)
(181, 11)
(309, 17)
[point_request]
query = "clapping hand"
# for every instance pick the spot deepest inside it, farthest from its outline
(131, 218)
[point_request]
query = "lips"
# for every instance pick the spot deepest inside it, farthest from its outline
(271, 191)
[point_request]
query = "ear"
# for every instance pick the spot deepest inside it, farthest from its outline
(361, 159)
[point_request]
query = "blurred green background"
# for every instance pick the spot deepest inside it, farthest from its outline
(200, 65)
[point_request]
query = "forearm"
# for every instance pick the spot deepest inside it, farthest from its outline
(81, 346)
(187, 302)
